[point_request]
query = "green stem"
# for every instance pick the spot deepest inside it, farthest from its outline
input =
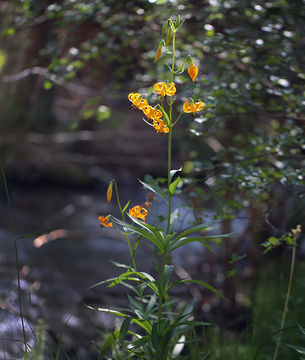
(169, 155)
(173, 64)
(286, 303)
(123, 218)
(16, 256)
(162, 290)
(169, 149)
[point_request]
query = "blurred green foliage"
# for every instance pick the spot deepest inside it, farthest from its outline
(250, 140)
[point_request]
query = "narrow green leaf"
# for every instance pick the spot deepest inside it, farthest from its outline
(150, 228)
(173, 185)
(186, 240)
(145, 234)
(126, 206)
(209, 287)
(301, 328)
(111, 311)
(135, 304)
(136, 344)
(192, 230)
(194, 323)
(168, 270)
(108, 344)
(165, 115)
(144, 324)
(151, 304)
(187, 310)
(154, 188)
(299, 349)
(139, 314)
(121, 265)
(155, 336)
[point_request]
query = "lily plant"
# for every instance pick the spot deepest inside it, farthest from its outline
(155, 326)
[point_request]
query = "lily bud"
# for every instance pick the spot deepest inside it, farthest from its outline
(192, 70)
(109, 191)
(158, 54)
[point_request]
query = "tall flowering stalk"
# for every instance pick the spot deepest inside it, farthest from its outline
(153, 328)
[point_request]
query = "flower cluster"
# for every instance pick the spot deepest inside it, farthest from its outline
(193, 107)
(152, 113)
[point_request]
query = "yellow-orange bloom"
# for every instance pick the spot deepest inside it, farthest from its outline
(163, 89)
(192, 70)
(137, 100)
(151, 112)
(193, 107)
(104, 221)
(160, 88)
(160, 126)
(171, 89)
(138, 212)
(109, 192)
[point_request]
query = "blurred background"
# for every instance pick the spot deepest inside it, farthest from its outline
(66, 130)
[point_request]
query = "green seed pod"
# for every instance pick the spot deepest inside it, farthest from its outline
(168, 37)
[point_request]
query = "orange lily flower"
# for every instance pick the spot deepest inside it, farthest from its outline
(104, 221)
(160, 88)
(171, 89)
(193, 107)
(137, 100)
(151, 112)
(160, 126)
(163, 89)
(138, 212)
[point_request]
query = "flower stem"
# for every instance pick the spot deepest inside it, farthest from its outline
(169, 149)
(286, 303)
(169, 156)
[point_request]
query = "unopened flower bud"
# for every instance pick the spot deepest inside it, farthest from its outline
(192, 70)
(109, 191)
(158, 54)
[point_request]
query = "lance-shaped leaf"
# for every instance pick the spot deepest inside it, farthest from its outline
(187, 240)
(124, 330)
(154, 230)
(155, 189)
(192, 230)
(173, 185)
(148, 234)
(155, 336)
(143, 324)
(108, 344)
(206, 285)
